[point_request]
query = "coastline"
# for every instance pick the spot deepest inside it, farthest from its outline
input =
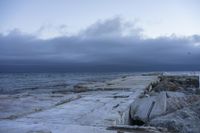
(90, 107)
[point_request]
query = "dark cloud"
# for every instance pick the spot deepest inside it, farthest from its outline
(104, 46)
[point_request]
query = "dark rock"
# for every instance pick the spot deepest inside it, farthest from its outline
(183, 81)
(80, 88)
(176, 83)
(166, 86)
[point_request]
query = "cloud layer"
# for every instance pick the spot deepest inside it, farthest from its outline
(110, 45)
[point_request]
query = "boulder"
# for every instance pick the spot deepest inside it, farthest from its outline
(185, 120)
(149, 107)
(145, 109)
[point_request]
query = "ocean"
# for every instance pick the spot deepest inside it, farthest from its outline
(19, 82)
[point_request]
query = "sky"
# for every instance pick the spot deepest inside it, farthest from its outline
(105, 35)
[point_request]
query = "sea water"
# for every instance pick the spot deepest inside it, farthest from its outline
(14, 82)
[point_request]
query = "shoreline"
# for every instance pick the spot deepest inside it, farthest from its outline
(98, 108)
(92, 107)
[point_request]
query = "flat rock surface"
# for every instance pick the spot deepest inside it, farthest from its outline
(86, 112)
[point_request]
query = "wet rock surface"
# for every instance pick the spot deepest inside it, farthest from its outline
(90, 109)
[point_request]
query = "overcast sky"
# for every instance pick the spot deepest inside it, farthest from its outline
(99, 35)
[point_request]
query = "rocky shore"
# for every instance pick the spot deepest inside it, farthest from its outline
(172, 103)
(146, 103)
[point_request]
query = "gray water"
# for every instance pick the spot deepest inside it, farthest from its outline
(13, 82)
